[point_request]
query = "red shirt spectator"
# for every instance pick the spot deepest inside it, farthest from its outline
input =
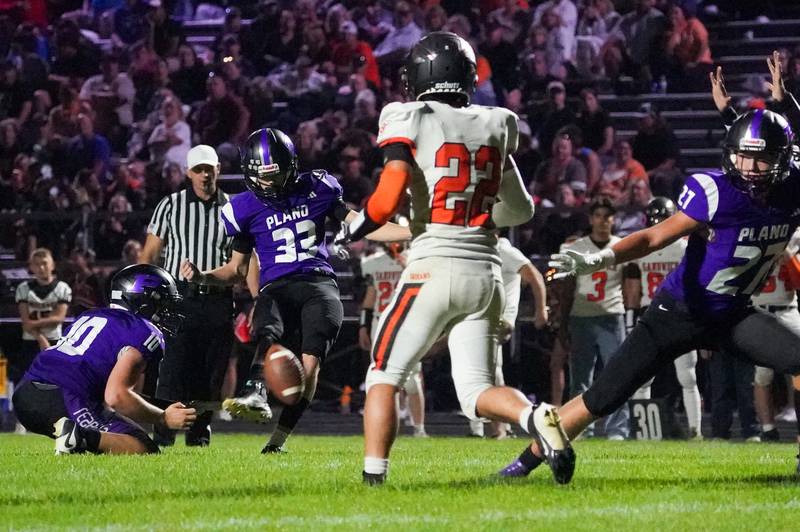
(353, 53)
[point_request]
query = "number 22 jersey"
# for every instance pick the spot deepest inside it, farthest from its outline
(731, 258)
(288, 237)
(460, 153)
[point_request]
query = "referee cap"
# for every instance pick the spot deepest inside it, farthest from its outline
(201, 154)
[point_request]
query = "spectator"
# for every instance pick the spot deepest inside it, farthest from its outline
(527, 158)
(165, 33)
(595, 124)
(130, 22)
(558, 44)
(376, 23)
(87, 287)
(283, 46)
(172, 138)
(585, 155)
(357, 187)
(654, 145)
(534, 76)
(111, 95)
(435, 19)
(351, 51)
(561, 168)
(513, 19)
(590, 35)
(401, 38)
(502, 58)
(221, 118)
(365, 114)
(15, 98)
(310, 146)
(315, 44)
(687, 48)
(555, 116)
(635, 200)
(64, 116)
(620, 174)
(74, 58)
(633, 46)
(9, 145)
(565, 222)
(88, 150)
(42, 303)
(115, 230)
(189, 81)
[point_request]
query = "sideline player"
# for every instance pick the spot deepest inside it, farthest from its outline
(517, 271)
(282, 218)
(455, 158)
(100, 360)
(382, 270)
(739, 221)
(643, 278)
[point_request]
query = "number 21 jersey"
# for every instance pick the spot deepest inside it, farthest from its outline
(460, 153)
(731, 258)
(288, 237)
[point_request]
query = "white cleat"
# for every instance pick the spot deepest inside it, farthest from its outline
(66, 432)
(251, 407)
(545, 425)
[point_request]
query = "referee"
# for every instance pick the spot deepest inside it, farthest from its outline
(187, 224)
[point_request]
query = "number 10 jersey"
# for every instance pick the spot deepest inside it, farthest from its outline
(460, 153)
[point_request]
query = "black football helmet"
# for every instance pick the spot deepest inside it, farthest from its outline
(150, 292)
(658, 210)
(765, 136)
(440, 63)
(269, 163)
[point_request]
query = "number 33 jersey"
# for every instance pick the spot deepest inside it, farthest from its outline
(83, 358)
(288, 237)
(730, 260)
(460, 153)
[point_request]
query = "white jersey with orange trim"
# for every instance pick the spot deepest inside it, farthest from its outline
(777, 290)
(654, 268)
(513, 261)
(383, 272)
(600, 293)
(460, 154)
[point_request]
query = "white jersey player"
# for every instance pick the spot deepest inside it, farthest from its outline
(455, 159)
(382, 271)
(645, 277)
(779, 297)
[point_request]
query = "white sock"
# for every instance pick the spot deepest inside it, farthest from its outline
(278, 437)
(766, 427)
(376, 466)
(476, 427)
(524, 416)
(691, 401)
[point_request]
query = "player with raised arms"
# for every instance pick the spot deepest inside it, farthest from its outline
(455, 159)
(739, 221)
(97, 364)
(282, 218)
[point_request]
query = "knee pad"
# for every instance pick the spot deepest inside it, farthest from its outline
(377, 376)
(413, 386)
(763, 376)
(468, 394)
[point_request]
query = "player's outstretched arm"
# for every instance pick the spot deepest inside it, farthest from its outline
(516, 205)
(632, 247)
(120, 396)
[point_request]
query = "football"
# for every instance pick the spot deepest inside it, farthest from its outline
(284, 375)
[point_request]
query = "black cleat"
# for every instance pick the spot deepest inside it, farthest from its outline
(272, 449)
(373, 479)
(771, 436)
(545, 425)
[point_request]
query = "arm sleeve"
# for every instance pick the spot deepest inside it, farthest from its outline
(160, 220)
(699, 198)
(232, 223)
(64, 293)
(338, 210)
(21, 293)
(516, 205)
(243, 243)
(148, 340)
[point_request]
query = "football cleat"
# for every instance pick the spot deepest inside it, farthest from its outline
(273, 449)
(515, 469)
(373, 479)
(770, 435)
(67, 437)
(252, 406)
(797, 468)
(545, 425)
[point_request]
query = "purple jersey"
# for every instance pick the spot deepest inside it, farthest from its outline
(288, 237)
(730, 260)
(83, 358)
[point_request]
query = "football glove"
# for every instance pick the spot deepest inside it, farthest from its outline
(576, 263)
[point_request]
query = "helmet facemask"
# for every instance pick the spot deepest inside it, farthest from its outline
(755, 170)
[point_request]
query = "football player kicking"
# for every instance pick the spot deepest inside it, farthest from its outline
(739, 221)
(282, 217)
(455, 158)
(97, 363)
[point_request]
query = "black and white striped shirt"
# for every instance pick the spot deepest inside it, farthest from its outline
(191, 228)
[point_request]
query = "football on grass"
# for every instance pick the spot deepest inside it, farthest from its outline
(284, 374)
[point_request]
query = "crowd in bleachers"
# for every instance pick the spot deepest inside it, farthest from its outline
(101, 100)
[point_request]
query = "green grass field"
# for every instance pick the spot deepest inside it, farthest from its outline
(435, 484)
